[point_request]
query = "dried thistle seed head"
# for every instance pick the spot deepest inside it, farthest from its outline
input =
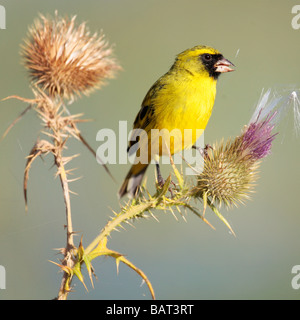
(64, 59)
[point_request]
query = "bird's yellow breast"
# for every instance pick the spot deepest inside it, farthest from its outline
(185, 104)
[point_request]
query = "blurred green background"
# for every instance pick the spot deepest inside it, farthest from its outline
(182, 260)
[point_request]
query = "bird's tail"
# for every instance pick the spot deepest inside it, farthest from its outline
(133, 180)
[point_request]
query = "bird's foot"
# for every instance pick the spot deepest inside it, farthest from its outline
(161, 182)
(203, 151)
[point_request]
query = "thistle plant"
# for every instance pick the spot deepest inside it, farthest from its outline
(65, 61)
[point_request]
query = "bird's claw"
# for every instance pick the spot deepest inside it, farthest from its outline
(161, 182)
(204, 151)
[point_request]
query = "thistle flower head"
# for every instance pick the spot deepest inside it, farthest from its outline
(229, 173)
(231, 168)
(66, 60)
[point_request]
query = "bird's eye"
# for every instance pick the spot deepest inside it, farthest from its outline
(207, 57)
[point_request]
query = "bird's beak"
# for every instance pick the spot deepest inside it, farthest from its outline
(223, 65)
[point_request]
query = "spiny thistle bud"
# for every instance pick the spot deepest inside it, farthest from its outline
(228, 176)
(64, 59)
(231, 168)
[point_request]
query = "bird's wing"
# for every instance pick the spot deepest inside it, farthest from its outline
(145, 119)
(142, 122)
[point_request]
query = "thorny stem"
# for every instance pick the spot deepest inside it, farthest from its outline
(65, 187)
(135, 209)
(112, 224)
(59, 141)
(70, 249)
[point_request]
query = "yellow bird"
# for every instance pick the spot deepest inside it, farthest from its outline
(181, 99)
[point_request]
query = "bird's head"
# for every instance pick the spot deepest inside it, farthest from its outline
(202, 59)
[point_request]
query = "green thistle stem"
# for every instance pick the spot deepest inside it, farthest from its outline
(117, 220)
(159, 202)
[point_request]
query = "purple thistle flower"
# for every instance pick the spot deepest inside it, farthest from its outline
(257, 138)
